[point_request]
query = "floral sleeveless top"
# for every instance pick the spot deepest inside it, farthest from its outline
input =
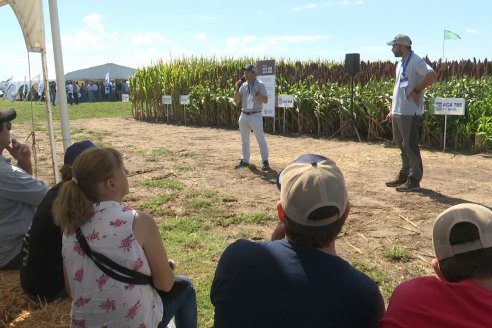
(97, 299)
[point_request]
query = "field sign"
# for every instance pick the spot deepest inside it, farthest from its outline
(266, 74)
(449, 106)
(125, 97)
(184, 99)
(286, 101)
(167, 100)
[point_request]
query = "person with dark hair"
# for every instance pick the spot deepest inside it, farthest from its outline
(20, 194)
(413, 75)
(299, 281)
(252, 94)
(89, 206)
(461, 294)
(41, 273)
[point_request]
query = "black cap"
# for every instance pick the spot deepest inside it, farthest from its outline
(7, 115)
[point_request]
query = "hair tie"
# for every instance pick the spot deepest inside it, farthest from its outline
(75, 180)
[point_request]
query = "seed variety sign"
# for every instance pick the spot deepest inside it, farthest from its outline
(449, 106)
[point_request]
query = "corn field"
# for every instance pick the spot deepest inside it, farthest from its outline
(322, 94)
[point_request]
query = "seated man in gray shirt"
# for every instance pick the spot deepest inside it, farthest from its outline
(20, 193)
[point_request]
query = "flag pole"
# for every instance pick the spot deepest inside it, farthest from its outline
(443, 40)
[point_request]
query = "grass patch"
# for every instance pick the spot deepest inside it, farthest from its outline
(228, 199)
(161, 151)
(82, 111)
(198, 204)
(155, 204)
(162, 183)
(380, 277)
(184, 168)
(256, 218)
(397, 254)
(204, 192)
(196, 251)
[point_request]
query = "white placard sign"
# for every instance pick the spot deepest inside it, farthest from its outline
(167, 100)
(125, 97)
(184, 99)
(449, 106)
(266, 74)
(286, 101)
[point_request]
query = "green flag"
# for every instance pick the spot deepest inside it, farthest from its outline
(448, 35)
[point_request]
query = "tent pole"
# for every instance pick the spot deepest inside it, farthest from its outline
(47, 100)
(60, 77)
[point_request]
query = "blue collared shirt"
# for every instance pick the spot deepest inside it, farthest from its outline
(20, 194)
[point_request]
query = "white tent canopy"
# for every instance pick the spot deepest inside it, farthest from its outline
(30, 17)
(29, 14)
(116, 72)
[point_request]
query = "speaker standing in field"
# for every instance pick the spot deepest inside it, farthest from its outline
(252, 94)
(413, 75)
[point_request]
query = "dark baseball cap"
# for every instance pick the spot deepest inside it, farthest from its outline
(250, 67)
(7, 115)
(75, 150)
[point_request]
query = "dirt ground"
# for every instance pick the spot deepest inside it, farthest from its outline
(381, 218)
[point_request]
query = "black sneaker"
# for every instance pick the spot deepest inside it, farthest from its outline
(400, 179)
(242, 164)
(266, 166)
(411, 185)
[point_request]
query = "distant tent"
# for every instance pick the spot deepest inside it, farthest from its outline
(116, 72)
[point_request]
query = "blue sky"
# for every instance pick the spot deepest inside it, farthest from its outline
(138, 33)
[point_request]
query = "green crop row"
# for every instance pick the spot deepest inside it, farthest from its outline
(322, 94)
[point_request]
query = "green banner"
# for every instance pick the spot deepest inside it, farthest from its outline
(448, 35)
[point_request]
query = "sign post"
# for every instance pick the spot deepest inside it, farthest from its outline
(167, 100)
(266, 74)
(184, 100)
(285, 101)
(449, 106)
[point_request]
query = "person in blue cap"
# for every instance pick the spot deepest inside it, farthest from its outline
(297, 279)
(20, 193)
(41, 273)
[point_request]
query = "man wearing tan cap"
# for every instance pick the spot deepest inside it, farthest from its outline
(413, 75)
(461, 294)
(20, 193)
(299, 281)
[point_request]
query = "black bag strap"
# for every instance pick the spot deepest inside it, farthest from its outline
(113, 269)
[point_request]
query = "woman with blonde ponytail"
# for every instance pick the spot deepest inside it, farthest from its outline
(92, 201)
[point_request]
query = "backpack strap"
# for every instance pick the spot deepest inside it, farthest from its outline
(112, 269)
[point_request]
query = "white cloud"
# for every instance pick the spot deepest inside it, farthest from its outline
(345, 3)
(200, 37)
(296, 38)
(148, 38)
(310, 6)
(471, 30)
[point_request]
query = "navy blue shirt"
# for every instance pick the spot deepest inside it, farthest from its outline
(41, 273)
(283, 284)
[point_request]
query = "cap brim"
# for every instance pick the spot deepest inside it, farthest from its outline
(306, 158)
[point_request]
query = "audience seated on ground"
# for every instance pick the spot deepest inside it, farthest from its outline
(93, 220)
(41, 273)
(20, 193)
(461, 294)
(299, 281)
